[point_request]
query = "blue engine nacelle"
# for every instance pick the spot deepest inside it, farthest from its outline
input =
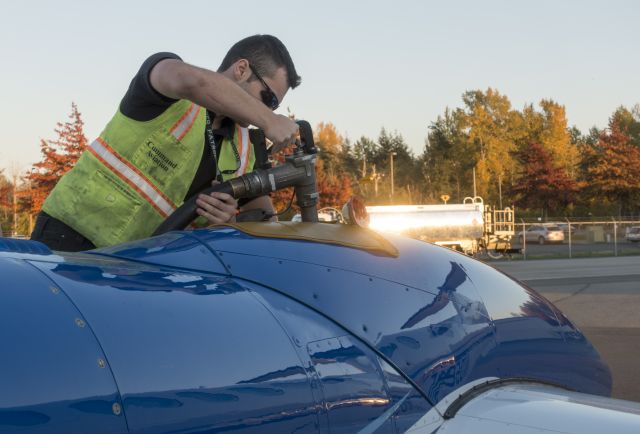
(220, 331)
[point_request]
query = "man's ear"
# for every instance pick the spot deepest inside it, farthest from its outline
(241, 70)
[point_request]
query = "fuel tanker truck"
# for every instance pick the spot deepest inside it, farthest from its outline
(470, 227)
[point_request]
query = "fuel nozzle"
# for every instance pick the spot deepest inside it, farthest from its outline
(298, 171)
(305, 142)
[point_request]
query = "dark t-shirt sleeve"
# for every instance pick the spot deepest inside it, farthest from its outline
(142, 102)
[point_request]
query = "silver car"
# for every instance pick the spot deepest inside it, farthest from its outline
(565, 228)
(543, 233)
(633, 235)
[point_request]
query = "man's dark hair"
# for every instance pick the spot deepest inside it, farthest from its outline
(266, 54)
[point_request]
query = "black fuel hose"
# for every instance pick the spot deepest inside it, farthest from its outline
(252, 185)
(298, 171)
(186, 212)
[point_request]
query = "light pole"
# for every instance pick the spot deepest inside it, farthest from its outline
(15, 203)
(391, 154)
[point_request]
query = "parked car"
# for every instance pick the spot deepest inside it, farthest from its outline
(565, 228)
(327, 214)
(543, 233)
(633, 235)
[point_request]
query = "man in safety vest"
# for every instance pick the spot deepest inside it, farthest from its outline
(178, 129)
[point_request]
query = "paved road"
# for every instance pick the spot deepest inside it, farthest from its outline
(581, 248)
(602, 297)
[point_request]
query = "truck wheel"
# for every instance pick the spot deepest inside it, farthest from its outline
(541, 240)
(494, 254)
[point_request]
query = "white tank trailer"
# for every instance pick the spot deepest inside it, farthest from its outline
(469, 227)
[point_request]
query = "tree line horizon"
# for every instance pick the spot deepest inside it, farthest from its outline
(530, 158)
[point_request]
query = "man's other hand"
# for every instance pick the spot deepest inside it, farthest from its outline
(282, 131)
(217, 207)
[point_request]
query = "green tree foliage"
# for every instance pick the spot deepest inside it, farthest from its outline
(628, 122)
(447, 159)
(369, 164)
(348, 161)
(362, 166)
(404, 168)
(364, 153)
(576, 136)
(6, 200)
(14, 216)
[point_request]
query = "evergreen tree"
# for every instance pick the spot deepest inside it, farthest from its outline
(6, 199)
(447, 161)
(404, 167)
(363, 167)
(628, 122)
(348, 161)
(58, 157)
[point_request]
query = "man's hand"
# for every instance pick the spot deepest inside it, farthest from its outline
(217, 207)
(282, 131)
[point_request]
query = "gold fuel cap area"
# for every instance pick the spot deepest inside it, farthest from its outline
(352, 236)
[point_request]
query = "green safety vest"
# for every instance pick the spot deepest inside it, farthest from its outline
(137, 173)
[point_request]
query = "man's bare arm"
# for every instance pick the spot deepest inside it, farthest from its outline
(176, 79)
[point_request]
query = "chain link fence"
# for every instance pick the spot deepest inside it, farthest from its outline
(571, 239)
(553, 239)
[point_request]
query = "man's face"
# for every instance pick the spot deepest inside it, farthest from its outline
(266, 88)
(245, 77)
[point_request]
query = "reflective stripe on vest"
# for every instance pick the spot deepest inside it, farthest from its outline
(243, 149)
(184, 124)
(132, 176)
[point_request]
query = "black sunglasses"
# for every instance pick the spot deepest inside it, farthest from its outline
(269, 98)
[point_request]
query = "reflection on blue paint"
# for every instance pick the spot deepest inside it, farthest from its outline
(17, 418)
(359, 397)
(98, 406)
(292, 372)
(384, 417)
(327, 339)
(210, 397)
(151, 402)
(140, 279)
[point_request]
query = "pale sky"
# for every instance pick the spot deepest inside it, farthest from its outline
(365, 64)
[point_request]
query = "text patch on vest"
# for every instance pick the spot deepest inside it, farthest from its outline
(160, 157)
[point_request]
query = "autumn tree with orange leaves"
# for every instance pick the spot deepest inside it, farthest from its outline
(334, 183)
(6, 193)
(613, 168)
(541, 184)
(58, 157)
